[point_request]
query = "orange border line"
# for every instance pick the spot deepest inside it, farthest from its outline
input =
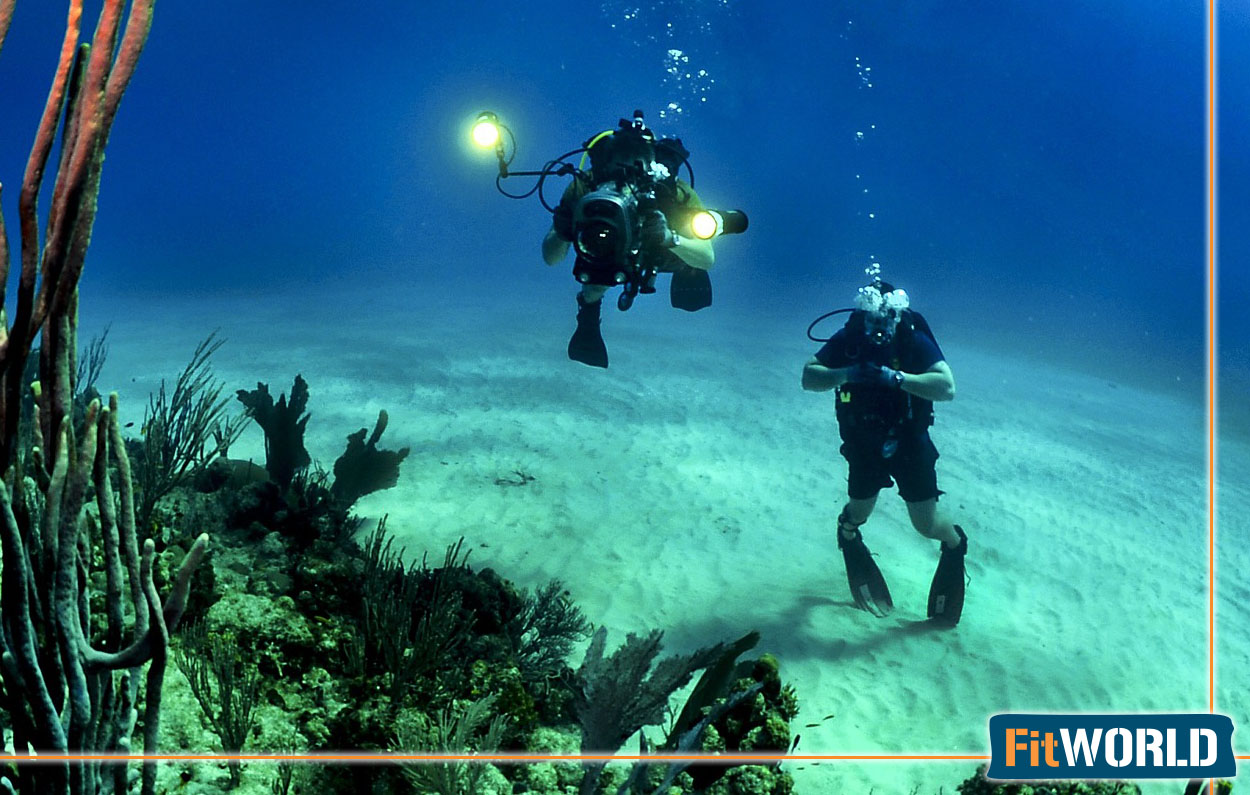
(1211, 344)
(347, 756)
(1211, 361)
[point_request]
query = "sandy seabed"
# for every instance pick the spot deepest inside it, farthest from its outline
(693, 487)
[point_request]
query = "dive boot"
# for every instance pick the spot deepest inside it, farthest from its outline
(868, 586)
(946, 595)
(586, 345)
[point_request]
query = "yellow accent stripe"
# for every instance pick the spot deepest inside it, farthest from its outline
(582, 165)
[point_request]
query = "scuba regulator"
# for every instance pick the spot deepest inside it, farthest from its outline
(615, 223)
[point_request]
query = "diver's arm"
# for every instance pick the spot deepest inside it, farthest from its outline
(694, 252)
(818, 378)
(554, 248)
(936, 384)
(556, 242)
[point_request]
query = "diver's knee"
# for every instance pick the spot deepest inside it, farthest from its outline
(593, 292)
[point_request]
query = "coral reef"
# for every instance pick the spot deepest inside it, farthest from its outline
(67, 503)
(453, 733)
(978, 784)
(183, 431)
(283, 424)
(225, 687)
(734, 707)
(358, 648)
(617, 695)
(293, 494)
(363, 468)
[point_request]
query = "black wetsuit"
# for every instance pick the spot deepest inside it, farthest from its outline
(885, 432)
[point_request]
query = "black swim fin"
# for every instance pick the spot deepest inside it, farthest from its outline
(868, 586)
(946, 595)
(690, 289)
(586, 345)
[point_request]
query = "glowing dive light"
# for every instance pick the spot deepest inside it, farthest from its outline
(707, 224)
(486, 129)
(704, 225)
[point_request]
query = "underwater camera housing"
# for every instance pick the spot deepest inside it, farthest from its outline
(607, 236)
(607, 221)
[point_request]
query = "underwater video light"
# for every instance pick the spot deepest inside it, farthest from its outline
(707, 224)
(486, 129)
(704, 225)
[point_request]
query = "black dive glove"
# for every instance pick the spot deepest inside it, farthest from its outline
(875, 375)
(562, 221)
(656, 233)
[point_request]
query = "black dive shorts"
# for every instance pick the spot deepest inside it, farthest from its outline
(911, 465)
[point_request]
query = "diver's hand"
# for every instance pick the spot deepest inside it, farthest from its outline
(874, 375)
(562, 221)
(656, 233)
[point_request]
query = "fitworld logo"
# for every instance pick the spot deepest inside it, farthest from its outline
(1185, 746)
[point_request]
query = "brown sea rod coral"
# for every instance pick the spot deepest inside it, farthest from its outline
(67, 498)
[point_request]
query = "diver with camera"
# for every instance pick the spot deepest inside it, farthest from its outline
(629, 217)
(887, 370)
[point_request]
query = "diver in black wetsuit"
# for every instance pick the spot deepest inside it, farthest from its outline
(888, 371)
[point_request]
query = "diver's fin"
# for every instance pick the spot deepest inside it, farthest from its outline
(868, 586)
(690, 289)
(586, 345)
(946, 595)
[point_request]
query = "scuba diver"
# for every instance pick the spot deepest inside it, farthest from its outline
(633, 171)
(628, 218)
(888, 370)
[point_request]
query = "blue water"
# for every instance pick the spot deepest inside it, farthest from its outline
(1233, 179)
(1033, 173)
